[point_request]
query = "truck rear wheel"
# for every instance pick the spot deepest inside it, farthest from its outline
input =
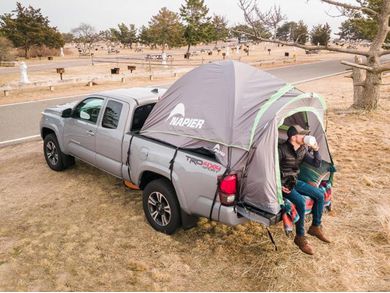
(55, 158)
(161, 207)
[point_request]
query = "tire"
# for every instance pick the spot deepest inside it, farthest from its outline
(54, 157)
(161, 208)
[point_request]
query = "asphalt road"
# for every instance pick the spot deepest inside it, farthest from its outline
(20, 122)
(64, 63)
(46, 66)
(85, 61)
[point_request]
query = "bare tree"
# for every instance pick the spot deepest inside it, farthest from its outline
(269, 19)
(368, 96)
(86, 36)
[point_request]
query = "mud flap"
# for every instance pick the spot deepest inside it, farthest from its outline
(188, 221)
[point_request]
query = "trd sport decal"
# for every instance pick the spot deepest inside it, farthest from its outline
(204, 164)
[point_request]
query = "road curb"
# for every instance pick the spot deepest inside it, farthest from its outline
(321, 77)
(20, 140)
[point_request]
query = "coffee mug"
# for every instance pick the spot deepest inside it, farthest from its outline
(310, 140)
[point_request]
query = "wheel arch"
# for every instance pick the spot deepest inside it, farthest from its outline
(46, 130)
(188, 221)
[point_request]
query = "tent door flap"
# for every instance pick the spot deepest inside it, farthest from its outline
(257, 215)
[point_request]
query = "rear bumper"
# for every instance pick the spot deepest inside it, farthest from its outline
(257, 215)
(228, 216)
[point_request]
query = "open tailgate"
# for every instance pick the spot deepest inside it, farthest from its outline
(254, 214)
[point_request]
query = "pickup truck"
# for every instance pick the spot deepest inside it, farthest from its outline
(178, 185)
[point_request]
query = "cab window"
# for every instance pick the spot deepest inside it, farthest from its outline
(88, 110)
(140, 115)
(112, 114)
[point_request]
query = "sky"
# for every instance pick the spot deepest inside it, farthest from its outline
(68, 14)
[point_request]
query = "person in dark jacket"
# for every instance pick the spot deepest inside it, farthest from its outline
(291, 154)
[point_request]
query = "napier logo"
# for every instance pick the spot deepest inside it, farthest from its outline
(178, 118)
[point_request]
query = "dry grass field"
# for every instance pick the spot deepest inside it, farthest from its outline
(81, 230)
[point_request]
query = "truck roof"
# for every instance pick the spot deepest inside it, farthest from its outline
(141, 95)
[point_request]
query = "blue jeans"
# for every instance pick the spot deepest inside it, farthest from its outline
(296, 197)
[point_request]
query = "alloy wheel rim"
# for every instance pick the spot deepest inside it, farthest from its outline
(52, 153)
(159, 208)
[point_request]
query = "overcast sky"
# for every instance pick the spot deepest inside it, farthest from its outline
(103, 14)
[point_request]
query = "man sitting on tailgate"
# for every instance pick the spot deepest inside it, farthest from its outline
(291, 154)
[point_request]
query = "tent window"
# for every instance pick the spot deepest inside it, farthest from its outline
(299, 118)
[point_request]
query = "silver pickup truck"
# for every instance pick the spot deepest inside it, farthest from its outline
(103, 131)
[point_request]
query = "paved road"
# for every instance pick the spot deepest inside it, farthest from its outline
(85, 61)
(47, 66)
(20, 122)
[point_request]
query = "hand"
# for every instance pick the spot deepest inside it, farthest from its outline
(315, 147)
(286, 190)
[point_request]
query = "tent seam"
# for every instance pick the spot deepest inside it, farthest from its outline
(196, 137)
(285, 89)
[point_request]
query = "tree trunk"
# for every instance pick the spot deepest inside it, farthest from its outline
(357, 78)
(188, 48)
(371, 91)
(26, 52)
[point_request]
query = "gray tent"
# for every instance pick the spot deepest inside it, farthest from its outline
(239, 113)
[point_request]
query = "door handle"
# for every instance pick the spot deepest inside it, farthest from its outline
(91, 133)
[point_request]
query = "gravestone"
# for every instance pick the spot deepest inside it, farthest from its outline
(164, 58)
(23, 73)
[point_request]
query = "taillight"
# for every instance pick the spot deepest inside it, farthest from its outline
(227, 190)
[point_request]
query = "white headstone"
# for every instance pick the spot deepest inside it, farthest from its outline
(164, 58)
(23, 73)
(62, 52)
(227, 51)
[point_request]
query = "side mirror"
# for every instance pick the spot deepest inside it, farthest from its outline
(67, 113)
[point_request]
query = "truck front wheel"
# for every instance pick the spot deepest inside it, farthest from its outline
(161, 207)
(55, 158)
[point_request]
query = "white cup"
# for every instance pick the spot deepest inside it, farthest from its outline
(310, 140)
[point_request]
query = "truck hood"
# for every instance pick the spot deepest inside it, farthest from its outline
(59, 108)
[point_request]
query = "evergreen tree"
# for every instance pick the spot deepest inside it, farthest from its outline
(293, 32)
(198, 28)
(144, 36)
(127, 35)
(165, 29)
(362, 25)
(27, 27)
(220, 31)
(320, 34)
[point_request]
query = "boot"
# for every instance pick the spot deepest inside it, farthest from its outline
(303, 244)
(317, 232)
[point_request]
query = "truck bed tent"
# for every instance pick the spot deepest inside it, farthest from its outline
(236, 111)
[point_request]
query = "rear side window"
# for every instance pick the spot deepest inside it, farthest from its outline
(140, 115)
(88, 110)
(112, 114)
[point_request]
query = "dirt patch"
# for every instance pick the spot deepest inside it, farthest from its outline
(81, 230)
